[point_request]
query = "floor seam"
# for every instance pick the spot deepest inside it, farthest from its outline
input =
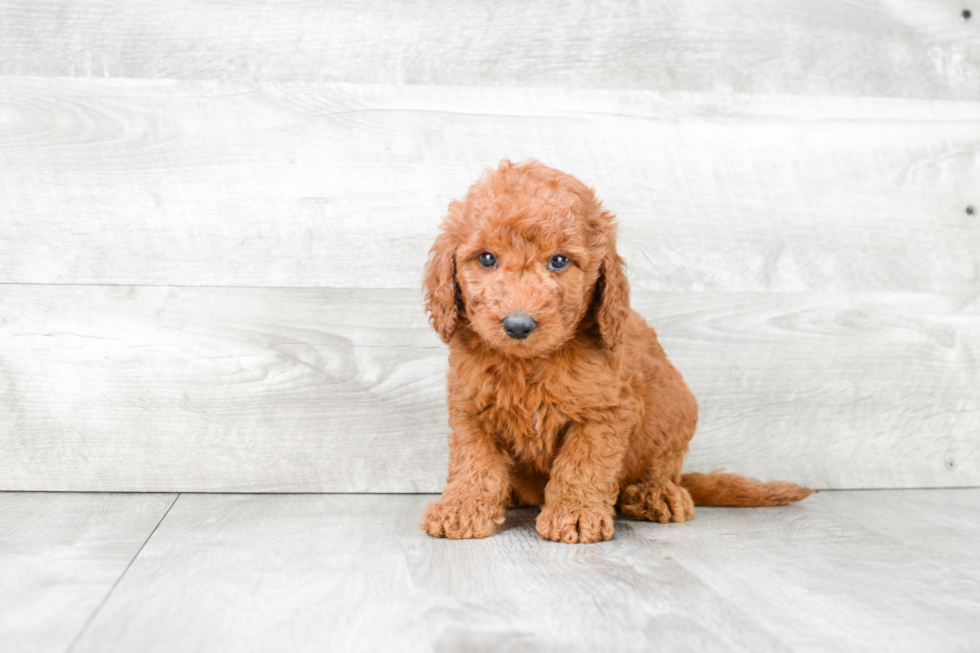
(105, 599)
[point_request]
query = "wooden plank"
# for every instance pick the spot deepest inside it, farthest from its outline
(315, 572)
(819, 579)
(938, 525)
(515, 591)
(60, 556)
(259, 184)
(311, 573)
(864, 384)
(904, 48)
(313, 390)
(220, 389)
(266, 572)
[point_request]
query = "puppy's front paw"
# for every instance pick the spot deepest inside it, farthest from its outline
(575, 523)
(460, 519)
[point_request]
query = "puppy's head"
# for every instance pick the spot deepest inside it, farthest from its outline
(523, 259)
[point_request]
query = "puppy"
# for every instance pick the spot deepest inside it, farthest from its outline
(560, 395)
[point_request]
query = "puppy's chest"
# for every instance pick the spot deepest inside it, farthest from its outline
(529, 415)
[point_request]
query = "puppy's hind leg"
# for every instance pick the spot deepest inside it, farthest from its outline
(656, 500)
(658, 496)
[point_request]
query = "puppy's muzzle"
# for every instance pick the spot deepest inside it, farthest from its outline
(519, 326)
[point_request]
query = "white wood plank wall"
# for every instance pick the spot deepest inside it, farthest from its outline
(209, 263)
(891, 48)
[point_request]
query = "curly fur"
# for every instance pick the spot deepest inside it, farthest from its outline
(584, 416)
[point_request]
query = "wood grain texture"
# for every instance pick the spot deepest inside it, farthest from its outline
(220, 390)
(310, 390)
(267, 573)
(515, 592)
(60, 555)
(938, 525)
(251, 184)
(903, 48)
(308, 573)
(315, 572)
(870, 571)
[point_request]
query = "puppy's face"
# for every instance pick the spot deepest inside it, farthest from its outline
(522, 259)
(526, 275)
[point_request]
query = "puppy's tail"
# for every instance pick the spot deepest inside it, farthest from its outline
(721, 489)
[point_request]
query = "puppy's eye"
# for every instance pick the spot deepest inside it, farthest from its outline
(558, 262)
(488, 260)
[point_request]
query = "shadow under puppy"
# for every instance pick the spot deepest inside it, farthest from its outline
(560, 395)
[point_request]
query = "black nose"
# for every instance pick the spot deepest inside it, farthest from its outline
(519, 326)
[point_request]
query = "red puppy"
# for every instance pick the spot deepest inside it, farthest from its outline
(560, 395)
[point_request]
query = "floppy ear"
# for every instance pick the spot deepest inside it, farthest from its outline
(613, 293)
(441, 292)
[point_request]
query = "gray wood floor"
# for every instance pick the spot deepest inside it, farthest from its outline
(895, 570)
